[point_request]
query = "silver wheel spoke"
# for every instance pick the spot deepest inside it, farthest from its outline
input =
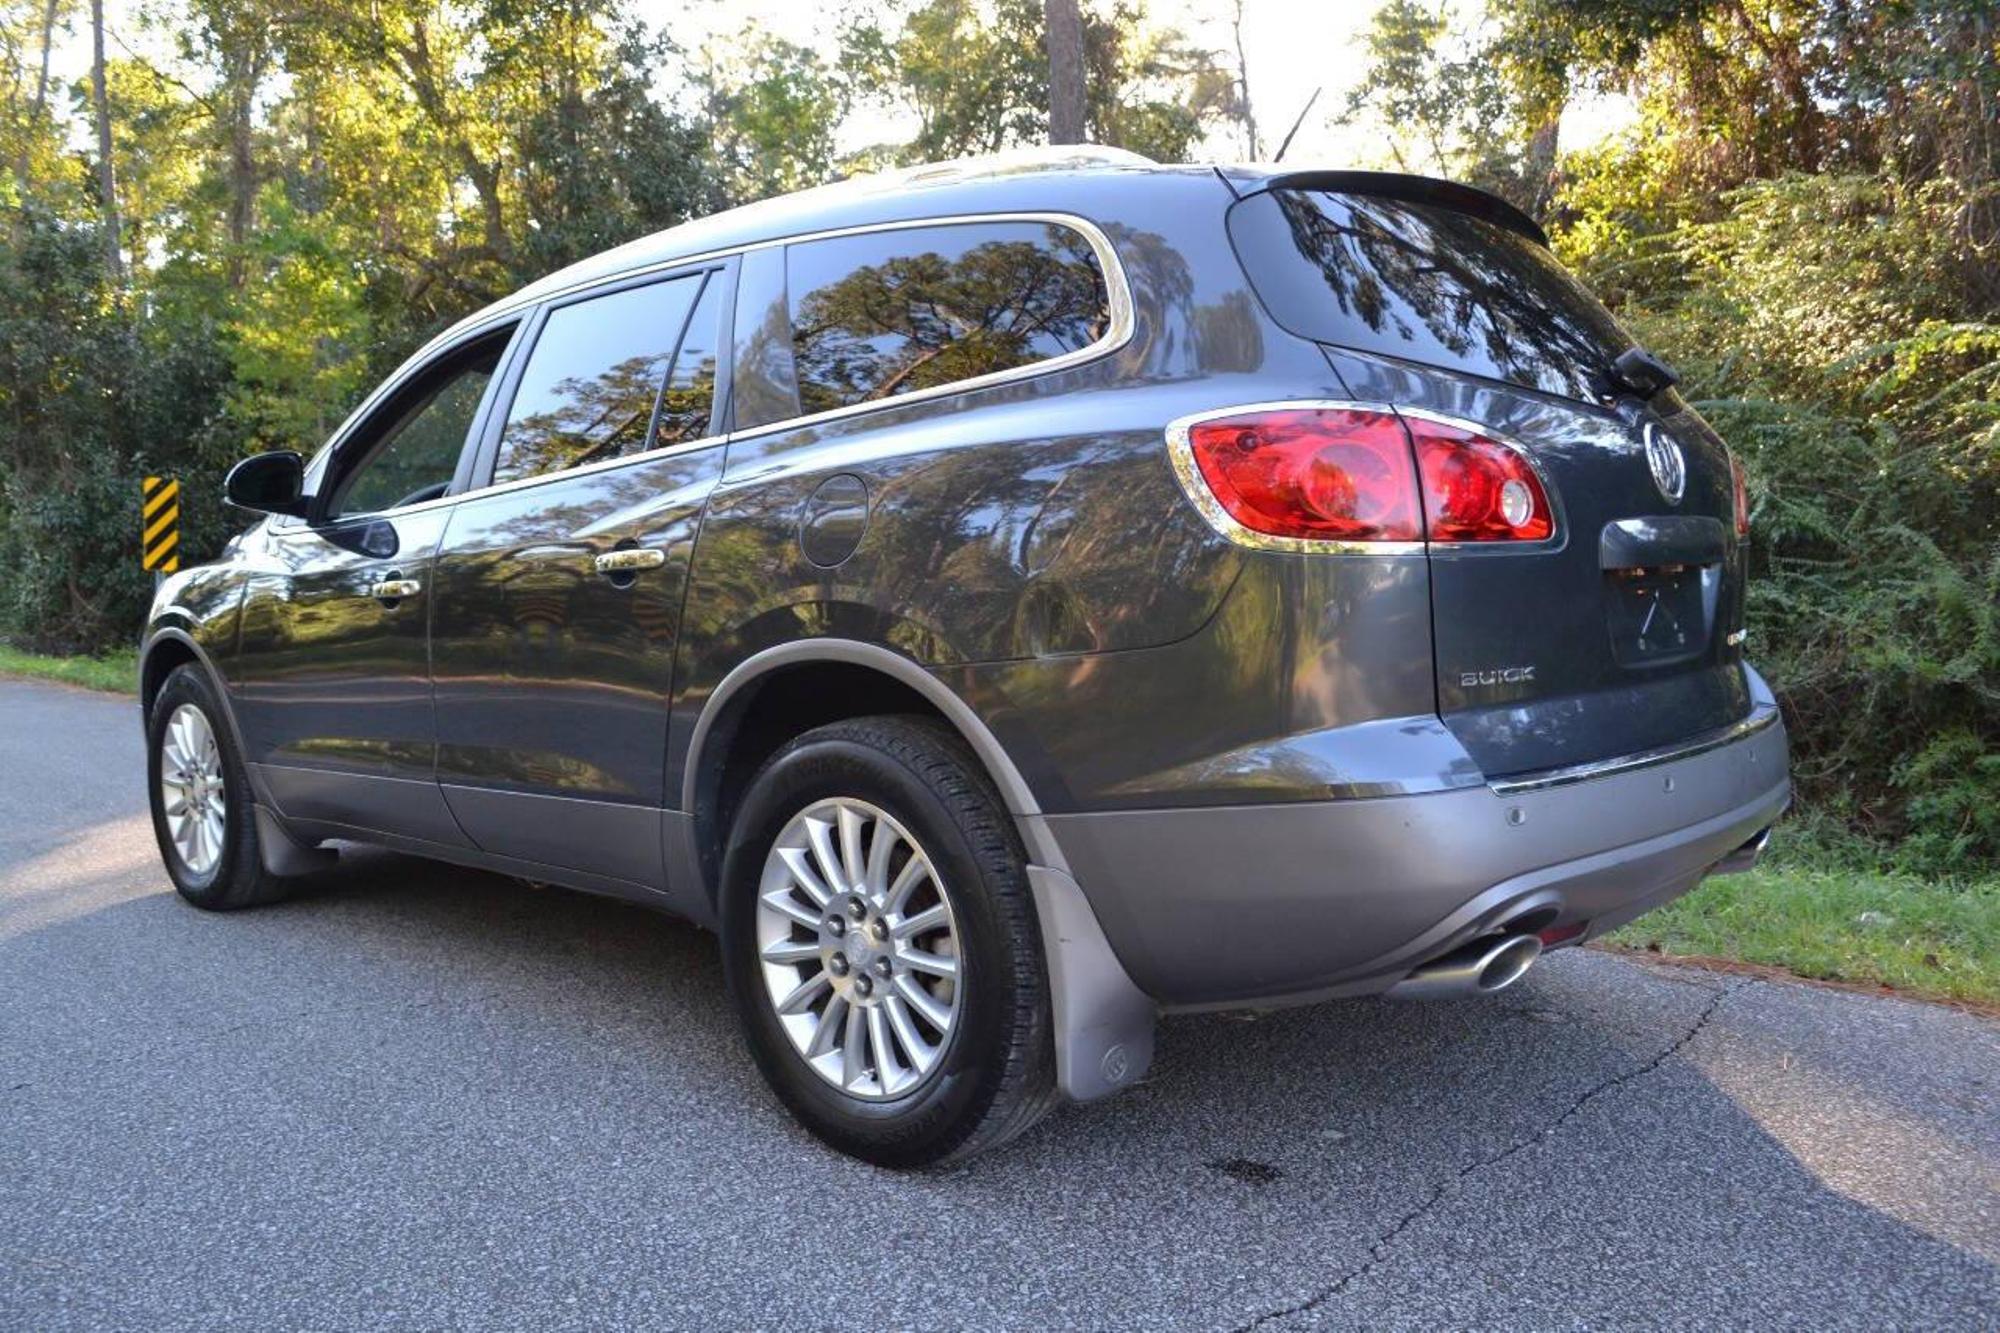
(880, 848)
(792, 951)
(888, 1070)
(831, 1021)
(783, 903)
(820, 834)
(874, 1012)
(852, 1047)
(919, 1052)
(800, 865)
(935, 964)
(851, 867)
(804, 994)
(935, 1013)
(913, 874)
(931, 918)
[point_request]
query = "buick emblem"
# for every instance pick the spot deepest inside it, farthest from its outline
(1663, 455)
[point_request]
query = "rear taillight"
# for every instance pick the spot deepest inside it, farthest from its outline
(1477, 489)
(1740, 497)
(1313, 474)
(1355, 474)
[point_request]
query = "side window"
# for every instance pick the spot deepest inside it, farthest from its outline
(593, 382)
(892, 312)
(418, 453)
(689, 399)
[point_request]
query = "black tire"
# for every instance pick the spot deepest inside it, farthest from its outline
(996, 1075)
(238, 878)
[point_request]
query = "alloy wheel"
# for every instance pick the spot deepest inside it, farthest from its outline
(193, 795)
(859, 949)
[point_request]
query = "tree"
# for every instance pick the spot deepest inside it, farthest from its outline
(107, 174)
(977, 78)
(1064, 37)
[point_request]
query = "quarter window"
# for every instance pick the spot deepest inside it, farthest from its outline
(591, 388)
(893, 312)
(689, 399)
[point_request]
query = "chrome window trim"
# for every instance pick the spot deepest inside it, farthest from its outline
(1118, 296)
(1181, 451)
(1761, 717)
(1119, 292)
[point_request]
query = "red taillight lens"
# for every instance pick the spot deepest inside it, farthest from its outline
(1318, 474)
(1477, 489)
(1740, 494)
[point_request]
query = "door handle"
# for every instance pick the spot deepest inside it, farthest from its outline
(630, 560)
(391, 590)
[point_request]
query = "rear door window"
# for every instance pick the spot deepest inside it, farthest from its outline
(592, 386)
(886, 313)
(1426, 284)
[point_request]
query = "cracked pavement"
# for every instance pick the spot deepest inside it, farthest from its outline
(423, 1097)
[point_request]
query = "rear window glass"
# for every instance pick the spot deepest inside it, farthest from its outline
(1426, 284)
(892, 312)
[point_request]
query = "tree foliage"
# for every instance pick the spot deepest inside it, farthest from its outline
(1805, 218)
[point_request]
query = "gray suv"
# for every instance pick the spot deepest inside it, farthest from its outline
(1008, 601)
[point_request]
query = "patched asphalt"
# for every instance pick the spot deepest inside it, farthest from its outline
(426, 1098)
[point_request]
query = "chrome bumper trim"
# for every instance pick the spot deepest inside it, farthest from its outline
(1760, 718)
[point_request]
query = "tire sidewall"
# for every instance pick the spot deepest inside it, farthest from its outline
(238, 863)
(910, 1128)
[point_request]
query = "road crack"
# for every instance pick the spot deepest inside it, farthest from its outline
(1378, 1251)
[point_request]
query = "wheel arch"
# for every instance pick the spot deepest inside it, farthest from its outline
(164, 651)
(171, 647)
(867, 680)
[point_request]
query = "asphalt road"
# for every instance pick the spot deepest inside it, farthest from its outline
(426, 1098)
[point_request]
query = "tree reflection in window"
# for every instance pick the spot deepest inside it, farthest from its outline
(592, 382)
(690, 394)
(894, 312)
(1438, 286)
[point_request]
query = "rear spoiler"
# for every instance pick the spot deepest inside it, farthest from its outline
(1466, 199)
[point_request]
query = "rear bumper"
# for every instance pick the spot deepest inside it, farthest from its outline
(1243, 905)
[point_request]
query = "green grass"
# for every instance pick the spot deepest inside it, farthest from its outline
(116, 672)
(1935, 939)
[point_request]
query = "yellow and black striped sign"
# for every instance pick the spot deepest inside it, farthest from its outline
(160, 533)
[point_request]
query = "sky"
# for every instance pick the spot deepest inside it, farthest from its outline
(1292, 47)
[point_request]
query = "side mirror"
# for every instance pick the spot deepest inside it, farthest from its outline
(272, 483)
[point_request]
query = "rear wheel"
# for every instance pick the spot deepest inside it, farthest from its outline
(882, 948)
(200, 797)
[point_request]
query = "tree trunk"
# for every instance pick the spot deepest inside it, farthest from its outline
(107, 171)
(1247, 113)
(242, 176)
(41, 98)
(1541, 163)
(1065, 42)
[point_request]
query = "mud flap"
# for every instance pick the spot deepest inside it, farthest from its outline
(1103, 1023)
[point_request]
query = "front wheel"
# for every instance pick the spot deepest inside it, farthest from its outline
(881, 945)
(200, 796)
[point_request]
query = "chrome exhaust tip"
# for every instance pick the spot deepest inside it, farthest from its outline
(1480, 968)
(1744, 857)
